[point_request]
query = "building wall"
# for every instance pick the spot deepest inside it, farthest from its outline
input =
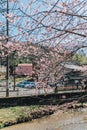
(24, 69)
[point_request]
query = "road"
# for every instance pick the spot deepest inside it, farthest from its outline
(24, 92)
(29, 92)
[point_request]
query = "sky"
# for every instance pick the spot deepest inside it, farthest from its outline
(19, 16)
(18, 21)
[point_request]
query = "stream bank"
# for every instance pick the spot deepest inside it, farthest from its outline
(60, 120)
(15, 115)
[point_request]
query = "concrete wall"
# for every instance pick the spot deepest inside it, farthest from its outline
(43, 99)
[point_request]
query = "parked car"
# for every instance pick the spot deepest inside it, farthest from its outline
(30, 85)
(59, 84)
(51, 84)
(21, 84)
(55, 84)
(26, 83)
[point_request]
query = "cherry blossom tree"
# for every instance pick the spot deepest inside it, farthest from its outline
(56, 28)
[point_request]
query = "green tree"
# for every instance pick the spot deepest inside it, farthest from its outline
(80, 59)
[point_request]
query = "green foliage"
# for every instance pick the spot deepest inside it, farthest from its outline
(79, 59)
(12, 114)
(1, 125)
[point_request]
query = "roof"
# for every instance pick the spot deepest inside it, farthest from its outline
(78, 77)
(76, 67)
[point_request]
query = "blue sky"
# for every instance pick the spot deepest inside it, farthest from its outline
(13, 27)
(41, 5)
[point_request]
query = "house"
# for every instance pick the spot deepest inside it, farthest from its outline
(82, 68)
(72, 73)
(24, 69)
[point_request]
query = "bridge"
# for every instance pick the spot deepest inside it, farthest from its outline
(30, 97)
(20, 92)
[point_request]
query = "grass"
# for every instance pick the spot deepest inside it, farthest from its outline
(11, 114)
(17, 79)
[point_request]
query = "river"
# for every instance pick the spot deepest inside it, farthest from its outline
(60, 120)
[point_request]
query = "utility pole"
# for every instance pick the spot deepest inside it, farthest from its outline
(14, 79)
(7, 59)
(14, 70)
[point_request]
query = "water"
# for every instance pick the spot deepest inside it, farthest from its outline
(77, 126)
(57, 121)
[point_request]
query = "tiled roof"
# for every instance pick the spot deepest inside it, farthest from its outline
(76, 67)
